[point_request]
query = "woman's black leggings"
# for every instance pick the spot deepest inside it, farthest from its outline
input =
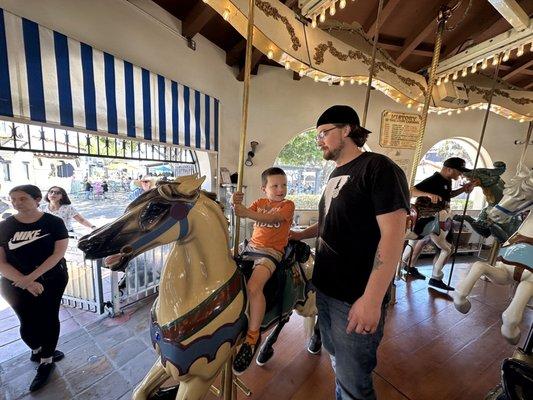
(39, 316)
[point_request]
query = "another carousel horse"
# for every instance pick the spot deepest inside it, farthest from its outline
(492, 185)
(515, 258)
(200, 314)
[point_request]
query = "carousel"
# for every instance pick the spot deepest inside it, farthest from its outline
(416, 72)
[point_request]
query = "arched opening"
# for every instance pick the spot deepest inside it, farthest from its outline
(462, 147)
(307, 171)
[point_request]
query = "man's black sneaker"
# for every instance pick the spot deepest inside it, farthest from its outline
(43, 375)
(415, 273)
(438, 283)
(315, 344)
(244, 357)
(58, 355)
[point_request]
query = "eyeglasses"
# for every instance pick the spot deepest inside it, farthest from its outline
(55, 192)
(323, 134)
(145, 181)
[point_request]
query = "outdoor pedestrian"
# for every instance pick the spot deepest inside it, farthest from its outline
(34, 276)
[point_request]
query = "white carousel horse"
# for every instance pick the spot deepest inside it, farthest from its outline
(515, 258)
(199, 316)
(436, 230)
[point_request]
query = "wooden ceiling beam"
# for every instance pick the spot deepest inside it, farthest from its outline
(256, 59)
(392, 43)
(370, 24)
(196, 19)
(522, 66)
(234, 54)
(529, 86)
(421, 30)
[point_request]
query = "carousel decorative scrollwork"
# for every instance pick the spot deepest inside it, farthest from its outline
(273, 12)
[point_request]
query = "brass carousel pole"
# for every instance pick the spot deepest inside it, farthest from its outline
(496, 245)
(228, 387)
(372, 64)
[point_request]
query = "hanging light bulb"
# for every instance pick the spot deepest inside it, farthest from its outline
(316, 78)
(205, 1)
(313, 21)
(446, 79)
(495, 61)
(458, 111)
(302, 72)
(226, 14)
(409, 105)
(438, 81)
(323, 15)
(484, 64)
(330, 81)
(341, 82)
(449, 113)
(455, 75)
(520, 50)
(521, 120)
(360, 82)
(506, 56)
(397, 99)
(352, 81)
(474, 68)
(419, 109)
(342, 4)
(270, 54)
(465, 72)
(332, 9)
(509, 117)
(287, 65)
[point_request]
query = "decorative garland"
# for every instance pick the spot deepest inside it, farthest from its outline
(273, 12)
(360, 56)
(498, 92)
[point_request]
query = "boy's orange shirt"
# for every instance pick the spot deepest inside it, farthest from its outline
(272, 235)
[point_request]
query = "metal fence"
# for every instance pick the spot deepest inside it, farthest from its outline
(94, 288)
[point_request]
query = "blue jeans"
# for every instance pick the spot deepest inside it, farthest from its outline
(353, 356)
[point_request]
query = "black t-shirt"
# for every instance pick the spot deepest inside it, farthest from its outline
(349, 234)
(436, 184)
(27, 246)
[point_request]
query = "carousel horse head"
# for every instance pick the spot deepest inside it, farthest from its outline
(157, 217)
(490, 181)
(517, 197)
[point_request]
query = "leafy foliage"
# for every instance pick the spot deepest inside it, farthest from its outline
(300, 151)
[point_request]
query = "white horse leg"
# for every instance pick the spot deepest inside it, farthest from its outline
(195, 388)
(445, 251)
(512, 316)
(152, 381)
(497, 274)
(407, 251)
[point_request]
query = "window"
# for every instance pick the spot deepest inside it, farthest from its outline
(27, 169)
(455, 147)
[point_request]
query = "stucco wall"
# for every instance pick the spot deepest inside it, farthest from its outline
(280, 108)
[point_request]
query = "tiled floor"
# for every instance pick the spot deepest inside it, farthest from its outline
(430, 351)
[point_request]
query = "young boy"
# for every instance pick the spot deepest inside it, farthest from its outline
(273, 218)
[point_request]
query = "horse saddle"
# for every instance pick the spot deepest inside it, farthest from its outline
(295, 252)
(423, 223)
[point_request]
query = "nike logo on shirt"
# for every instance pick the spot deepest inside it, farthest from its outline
(24, 238)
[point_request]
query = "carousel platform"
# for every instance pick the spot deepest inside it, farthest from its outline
(430, 351)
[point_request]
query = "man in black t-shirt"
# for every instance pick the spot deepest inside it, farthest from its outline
(433, 195)
(359, 241)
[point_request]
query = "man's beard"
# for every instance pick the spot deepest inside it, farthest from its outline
(332, 155)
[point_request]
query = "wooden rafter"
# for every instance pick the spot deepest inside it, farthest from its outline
(234, 54)
(520, 68)
(370, 24)
(256, 58)
(196, 19)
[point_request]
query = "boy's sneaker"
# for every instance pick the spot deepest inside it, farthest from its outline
(244, 357)
(43, 375)
(315, 344)
(58, 355)
(438, 283)
(414, 272)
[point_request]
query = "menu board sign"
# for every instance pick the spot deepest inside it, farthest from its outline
(399, 130)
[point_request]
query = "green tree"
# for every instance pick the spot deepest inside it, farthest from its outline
(302, 150)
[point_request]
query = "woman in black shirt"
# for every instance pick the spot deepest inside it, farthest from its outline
(34, 275)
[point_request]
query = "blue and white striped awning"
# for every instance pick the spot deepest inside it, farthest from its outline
(49, 78)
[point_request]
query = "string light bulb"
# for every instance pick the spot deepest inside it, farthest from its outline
(465, 72)
(409, 105)
(446, 79)
(495, 61)
(449, 113)
(438, 81)
(458, 111)
(332, 9)
(520, 50)
(226, 14)
(301, 72)
(323, 15)
(506, 56)
(455, 75)
(270, 54)
(342, 4)
(287, 65)
(484, 64)
(474, 68)
(352, 81)
(341, 82)
(316, 78)
(521, 120)
(313, 22)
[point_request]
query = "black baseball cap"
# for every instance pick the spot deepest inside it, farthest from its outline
(340, 114)
(456, 163)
